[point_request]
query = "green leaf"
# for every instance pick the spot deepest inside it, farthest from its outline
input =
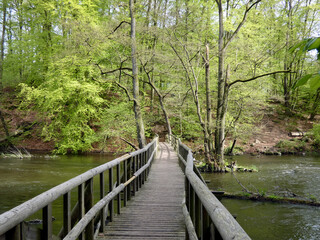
(303, 80)
(313, 43)
(300, 45)
(315, 82)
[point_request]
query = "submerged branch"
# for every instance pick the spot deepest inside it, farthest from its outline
(243, 187)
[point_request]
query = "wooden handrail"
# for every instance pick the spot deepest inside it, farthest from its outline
(203, 208)
(11, 220)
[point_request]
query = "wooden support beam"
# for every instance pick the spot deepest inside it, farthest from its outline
(119, 195)
(47, 222)
(103, 210)
(66, 213)
(81, 201)
(111, 204)
(88, 196)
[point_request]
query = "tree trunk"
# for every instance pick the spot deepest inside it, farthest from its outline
(135, 80)
(165, 113)
(208, 101)
(287, 65)
(220, 118)
(4, 21)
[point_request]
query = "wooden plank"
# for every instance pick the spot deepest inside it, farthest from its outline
(155, 212)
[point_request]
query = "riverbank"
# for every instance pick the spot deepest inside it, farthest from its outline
(275, 133)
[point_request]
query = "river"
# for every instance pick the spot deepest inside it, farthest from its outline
(22, 179)
(284, 175)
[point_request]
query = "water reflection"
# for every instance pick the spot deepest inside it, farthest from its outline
(22, 179)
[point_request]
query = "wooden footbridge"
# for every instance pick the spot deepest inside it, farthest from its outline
(169, 200)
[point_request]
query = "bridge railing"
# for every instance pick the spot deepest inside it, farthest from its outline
(205, 216)
(86, 219)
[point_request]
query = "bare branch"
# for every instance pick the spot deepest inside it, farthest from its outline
(130, 143)
(185, 97)
(114, 30)
(114, 70)
(254, 78)
(243, 187)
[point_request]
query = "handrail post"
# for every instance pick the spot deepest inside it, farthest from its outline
(125, 176)
(66, 213)
(205, 231)
(103, 210)
(118, 184)
(198, 215)
(89, 232)
(81, 201)
(140, 165)
(134, 183)
(129, 176)
(111, 204)
(47, 222)
(15, 233)
(144, 154)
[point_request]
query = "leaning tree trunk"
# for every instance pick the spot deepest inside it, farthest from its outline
(135, 80)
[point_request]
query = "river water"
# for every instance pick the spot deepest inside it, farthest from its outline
(283, 175)
(22, 179)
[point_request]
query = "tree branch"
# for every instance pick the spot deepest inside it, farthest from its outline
(241, 23)
(254, 78)
(114, 70)
(114, 30)
(185, 97)
(168, 92)
(130, 143)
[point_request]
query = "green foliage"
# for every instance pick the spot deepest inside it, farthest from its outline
(305, 46)
(70, 103)
(315, 132)
(313, 198)
(118, 120)
(286, 146)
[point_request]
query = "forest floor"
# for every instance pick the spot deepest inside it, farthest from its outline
(271, 135)
(275, 134)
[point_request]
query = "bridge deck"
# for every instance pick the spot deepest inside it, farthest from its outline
(155, 212)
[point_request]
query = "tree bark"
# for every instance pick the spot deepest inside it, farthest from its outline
(220, 118)
(136, 103)
(208, 101)
(4, 22)
(223, 88)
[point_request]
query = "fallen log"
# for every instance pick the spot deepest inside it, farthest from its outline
(270, 198)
